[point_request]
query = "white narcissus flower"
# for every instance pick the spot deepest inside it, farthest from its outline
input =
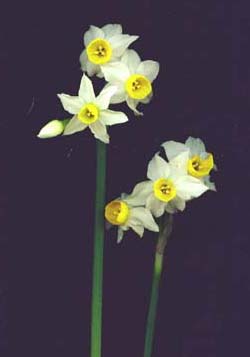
(168, 188)
(199, 162)
(123, 215)
(102, 46)
(133, 78)
(91, 111)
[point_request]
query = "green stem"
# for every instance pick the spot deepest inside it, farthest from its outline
(165, 231)
(96, 311)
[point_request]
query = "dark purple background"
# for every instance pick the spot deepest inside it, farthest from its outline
(203, 91)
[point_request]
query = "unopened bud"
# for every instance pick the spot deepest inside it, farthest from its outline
(51, 129)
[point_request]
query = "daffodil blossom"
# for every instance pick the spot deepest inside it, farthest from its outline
(91, 111)
(168, 188)
(133, 78)
(120, 213)
(102, 46)
(199, 162)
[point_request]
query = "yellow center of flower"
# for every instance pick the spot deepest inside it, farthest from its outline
(99, 51)
(138, 86)
(117, 212)
(164, 190)
(88, 114)
(199, 167)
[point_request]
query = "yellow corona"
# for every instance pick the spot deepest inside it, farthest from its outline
(99, 51)
(117, 212)
(88, 114)
(138, 86)
(164, 190)
(199, 167)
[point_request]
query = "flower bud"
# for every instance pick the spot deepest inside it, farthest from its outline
(51, 129)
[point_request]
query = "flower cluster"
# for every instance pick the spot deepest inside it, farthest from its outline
(128, 79)
(169, 186)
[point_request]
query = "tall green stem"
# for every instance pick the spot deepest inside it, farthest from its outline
(165, 231)
(96, 310)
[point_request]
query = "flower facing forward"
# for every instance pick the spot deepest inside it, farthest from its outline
(168, 188)
(199, 162)
(120, 213)
(133, 78)
(91, 111)
(102, 46)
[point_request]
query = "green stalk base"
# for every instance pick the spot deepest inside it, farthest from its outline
(96, 308)
(165, 231)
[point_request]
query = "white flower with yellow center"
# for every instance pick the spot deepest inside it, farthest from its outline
(120, 213)
(168, 188)
(91, 111)
(199, 162)
(102, 46)
(133, 78)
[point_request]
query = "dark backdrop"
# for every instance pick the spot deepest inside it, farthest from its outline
(202, 90)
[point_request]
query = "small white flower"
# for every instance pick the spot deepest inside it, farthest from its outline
(102, 46)
(120, 213)
(199, 162)
(51, 129)
(133, 78)
(91, 111)
(168, 188)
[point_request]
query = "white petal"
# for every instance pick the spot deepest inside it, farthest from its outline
(203, 155)
(149, 69)
(123, 195)
(179, 164)
(209, 184)
(74, 126)
(105, 95)
(120, 43)
(71, 104)
(158, 168)
(120, 234)
(91, 34)
(120, 94)
(178, 203)
(93, 69)
(88, 66)
(132, 104)
(196, 146)
(173, 148)
(110, 117)
(170, 207)
(138, 228)
(132, 60)
(83, 60)
(188, 187)
(86, 90)
(100, 131)
(111, 30)
(156, 206)
(115, 72)
(140, 193)
(125, 228)
(141, 215)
